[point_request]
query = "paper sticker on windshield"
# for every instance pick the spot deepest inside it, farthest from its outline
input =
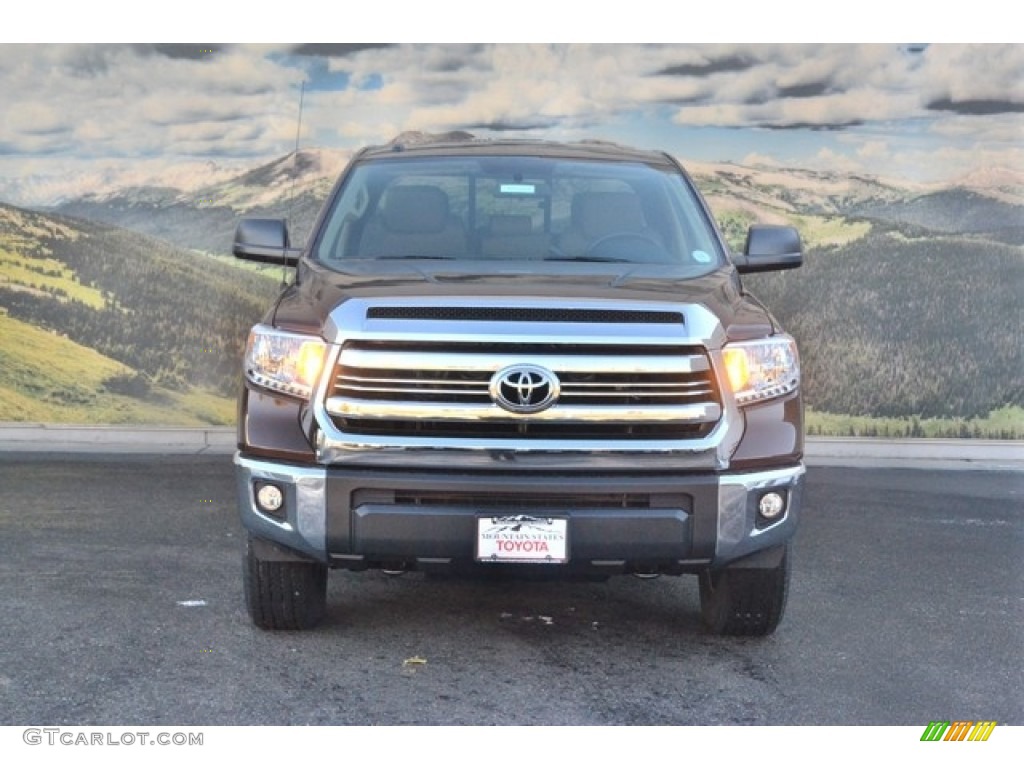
(701, 257)
(518, 189)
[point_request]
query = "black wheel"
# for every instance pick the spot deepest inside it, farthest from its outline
(745, 601)
(284, 594)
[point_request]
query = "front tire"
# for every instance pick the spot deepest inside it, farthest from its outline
(284, 594)
(745, 601)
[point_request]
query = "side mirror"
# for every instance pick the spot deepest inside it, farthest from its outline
(770, 248)
(264, 240)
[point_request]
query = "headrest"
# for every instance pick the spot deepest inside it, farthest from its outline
(597, 214)
(416, 210)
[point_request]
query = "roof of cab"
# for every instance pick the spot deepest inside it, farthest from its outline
(464, 144)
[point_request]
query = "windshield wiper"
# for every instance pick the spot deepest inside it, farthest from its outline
(412, 256)
(604, 259)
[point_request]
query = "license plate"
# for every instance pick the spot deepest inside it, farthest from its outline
(522, 539)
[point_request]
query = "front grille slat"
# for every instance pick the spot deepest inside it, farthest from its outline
(356, 380)
(434, 391)
(637, 396)
(413, 362)
(623, 385)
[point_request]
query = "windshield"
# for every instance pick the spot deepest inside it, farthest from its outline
(517, 209)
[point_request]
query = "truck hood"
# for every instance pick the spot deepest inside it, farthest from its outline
(303, 306)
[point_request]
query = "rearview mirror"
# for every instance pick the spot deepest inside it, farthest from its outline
(770, 248)
(264, 240)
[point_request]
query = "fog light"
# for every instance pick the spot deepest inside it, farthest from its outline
(269, 497)
(771, 505)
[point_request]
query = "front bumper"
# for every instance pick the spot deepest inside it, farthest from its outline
(647, 523)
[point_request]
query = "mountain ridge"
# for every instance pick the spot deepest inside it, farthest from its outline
(295, 185)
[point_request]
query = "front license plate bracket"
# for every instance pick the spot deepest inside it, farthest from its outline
(522, 539)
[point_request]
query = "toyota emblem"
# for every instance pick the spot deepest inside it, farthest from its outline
(524, 388)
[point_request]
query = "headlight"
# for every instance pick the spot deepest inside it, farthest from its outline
(759, 370)
(284, 362)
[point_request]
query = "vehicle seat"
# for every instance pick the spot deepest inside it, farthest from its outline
(414, 220)
(596, 215)
(510, 235)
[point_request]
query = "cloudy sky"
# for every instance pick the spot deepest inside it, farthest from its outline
(75, 116)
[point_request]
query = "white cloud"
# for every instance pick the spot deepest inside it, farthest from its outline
(127, 105)
(757, 159)
(873, 149)
(976, 72)
(828, 160)
(992, 129)
(36, 118)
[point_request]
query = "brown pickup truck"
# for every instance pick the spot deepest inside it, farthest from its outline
(519, 357)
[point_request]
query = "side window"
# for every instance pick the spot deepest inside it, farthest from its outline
(342, 231)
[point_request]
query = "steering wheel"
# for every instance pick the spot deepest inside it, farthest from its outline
(649, 245)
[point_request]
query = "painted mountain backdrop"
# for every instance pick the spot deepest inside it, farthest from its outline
(124, 305)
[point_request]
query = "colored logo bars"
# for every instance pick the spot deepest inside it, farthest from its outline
(960, 730)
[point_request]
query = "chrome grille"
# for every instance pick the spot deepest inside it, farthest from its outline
(607, 391)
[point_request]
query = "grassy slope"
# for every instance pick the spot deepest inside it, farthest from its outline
(1001, 424)
(45, 275)
(105, 326)
(26, 263)
(47, 378)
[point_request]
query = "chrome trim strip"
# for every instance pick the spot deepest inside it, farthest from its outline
(655, 385)
(736, 528)
(770, 478)
(700, 413)
(304, 528)
(543, 455)
(569, 390)
(475, 362)
(349, 321)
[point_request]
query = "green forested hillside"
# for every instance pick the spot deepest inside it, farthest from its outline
(175, 321)
(951, 211)
(898, 325)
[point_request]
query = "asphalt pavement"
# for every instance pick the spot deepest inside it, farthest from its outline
(121, 603)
